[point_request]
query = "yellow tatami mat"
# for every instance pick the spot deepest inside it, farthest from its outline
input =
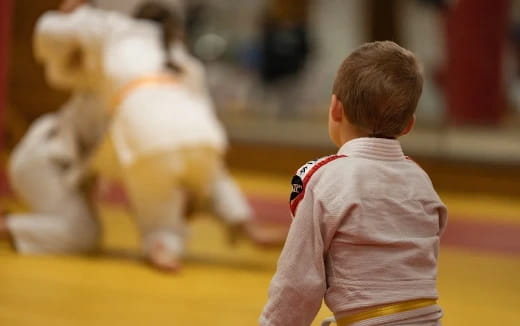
(219, 284)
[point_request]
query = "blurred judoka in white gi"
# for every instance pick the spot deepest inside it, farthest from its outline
(164, 140)
(47, 171)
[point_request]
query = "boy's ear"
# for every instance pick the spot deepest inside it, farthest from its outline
(336, 109)
(409, 127)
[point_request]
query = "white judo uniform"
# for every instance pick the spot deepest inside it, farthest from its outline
(47, 171)
(365, 234)
(165, 139)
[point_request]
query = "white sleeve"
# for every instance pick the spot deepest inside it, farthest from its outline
(69, 44)
(56, 30)
(298, 287)
(87, 28)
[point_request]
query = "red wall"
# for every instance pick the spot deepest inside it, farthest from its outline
(476, 36)
(5, 28)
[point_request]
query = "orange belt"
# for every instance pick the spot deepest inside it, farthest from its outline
(158, 79)
(385, 310)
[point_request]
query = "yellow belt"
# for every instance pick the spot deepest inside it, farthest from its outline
(385, 310)
(137, 83)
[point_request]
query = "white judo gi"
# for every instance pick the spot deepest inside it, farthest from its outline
(47, 171)
(166, 140)
(365, 234)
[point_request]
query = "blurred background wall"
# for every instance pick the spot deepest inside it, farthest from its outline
(271, 64)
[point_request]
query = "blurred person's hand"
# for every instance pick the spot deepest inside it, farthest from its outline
(71, 5)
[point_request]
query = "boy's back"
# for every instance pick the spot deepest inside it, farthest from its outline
(375, 220)
(367, 221)
(381, 223)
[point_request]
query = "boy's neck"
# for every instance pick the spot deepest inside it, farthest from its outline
(349, 132)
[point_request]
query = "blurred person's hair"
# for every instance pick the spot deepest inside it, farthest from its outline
(170, 19)
(379, 85)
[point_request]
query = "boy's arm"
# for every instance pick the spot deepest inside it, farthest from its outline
(297, 289)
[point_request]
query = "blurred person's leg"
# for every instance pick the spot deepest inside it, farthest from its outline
(476, 33)
(160, 187)
(62, 218)
(72, 232)
(229, 203)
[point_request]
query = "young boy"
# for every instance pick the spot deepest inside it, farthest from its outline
(367, 221)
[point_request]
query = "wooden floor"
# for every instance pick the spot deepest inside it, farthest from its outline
(224, 285)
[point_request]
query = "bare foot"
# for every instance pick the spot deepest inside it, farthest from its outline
(164, 259)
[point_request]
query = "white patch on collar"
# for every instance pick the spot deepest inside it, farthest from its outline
(299, 181)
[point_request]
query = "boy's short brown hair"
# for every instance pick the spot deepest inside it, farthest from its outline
(379, 85)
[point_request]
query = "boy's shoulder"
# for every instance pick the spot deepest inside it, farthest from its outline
(303, 175)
